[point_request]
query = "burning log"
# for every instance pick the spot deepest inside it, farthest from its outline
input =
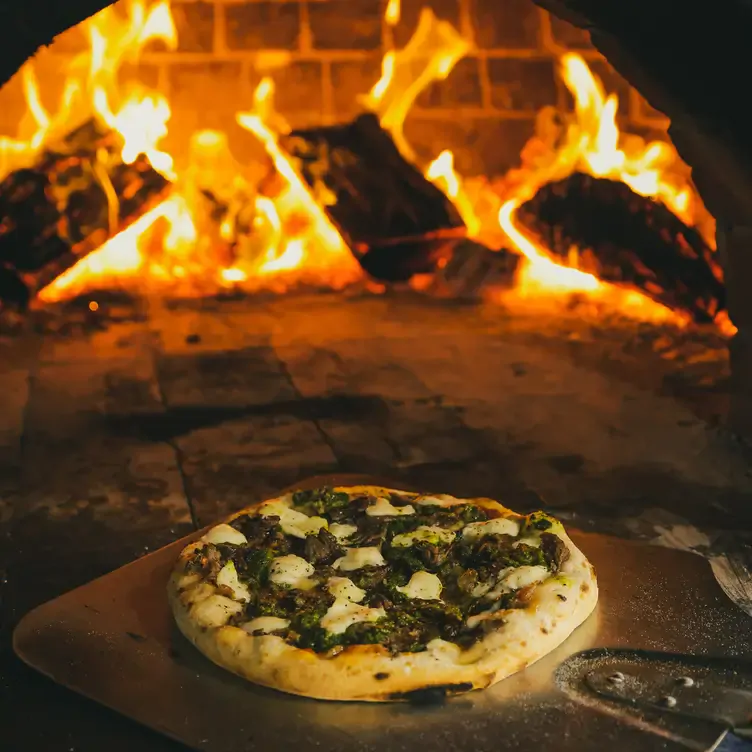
(396, 222)
(629, 240)
(78, 193)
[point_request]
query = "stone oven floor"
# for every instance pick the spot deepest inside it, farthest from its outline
(117, 439)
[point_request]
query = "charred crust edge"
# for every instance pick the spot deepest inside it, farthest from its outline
(432, 695)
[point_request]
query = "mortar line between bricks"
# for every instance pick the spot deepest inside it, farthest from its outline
(286, 373)
(172, 443)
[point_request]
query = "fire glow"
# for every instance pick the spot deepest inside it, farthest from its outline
(293, 240)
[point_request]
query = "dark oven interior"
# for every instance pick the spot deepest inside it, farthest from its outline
(439, 241)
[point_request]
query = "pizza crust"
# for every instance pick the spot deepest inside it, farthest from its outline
(369, 672)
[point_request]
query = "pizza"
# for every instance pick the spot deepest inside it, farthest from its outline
(368, 593)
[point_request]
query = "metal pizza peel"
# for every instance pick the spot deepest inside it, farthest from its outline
(661, 620)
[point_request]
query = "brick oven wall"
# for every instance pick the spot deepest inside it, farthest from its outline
(322, 53)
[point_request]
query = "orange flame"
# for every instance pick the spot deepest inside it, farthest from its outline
(429, 56)
(393, 12)
(283, 233)
(441, 172)
(591, 142)
(296, 199)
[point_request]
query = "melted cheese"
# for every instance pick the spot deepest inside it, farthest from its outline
(342, 532)
(424, 532)
(265, 624)
(343, 613)
(228, 577)
(473, 621)
(424, 586)
(533, 541)
(440, 500)
(357, 558)
(215, 611)
(523, 576)
(224, 533)
(496, 526)
(291, 521)
(382, 508)
(342, 587)
(443, 650)
(514, 578)
(293, 571)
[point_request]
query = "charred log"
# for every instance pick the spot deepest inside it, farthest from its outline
(77, 194)
(628, 240)
(395, 221)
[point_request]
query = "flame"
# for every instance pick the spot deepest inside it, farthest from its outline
(592, 142)
(296, 199)
(140, 120)
(223, 224)
(441, 172)
(429, 56)
(393, 12)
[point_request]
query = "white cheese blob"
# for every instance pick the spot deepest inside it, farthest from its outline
(440, 500)
(473, 621)
(424, 586)
(265, 624)
(291, 521)
(215, 611)
(275, 507)
(382, 508)
(514, 578)
(343, 613)
(293, 571)
(357, 558)
(496, 526)
(443, 650)
(342, 532)
(532, 541)
(342, 587)
(228, 577)
(224, 533)
(523, 576)
(424, 532)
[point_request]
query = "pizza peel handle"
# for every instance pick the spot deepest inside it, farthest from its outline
(715, 689)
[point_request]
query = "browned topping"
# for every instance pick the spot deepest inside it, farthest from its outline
(381, 676)
(524, 595)
(544, 630)
(561, 596)
(555, 551)
(584, 587)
